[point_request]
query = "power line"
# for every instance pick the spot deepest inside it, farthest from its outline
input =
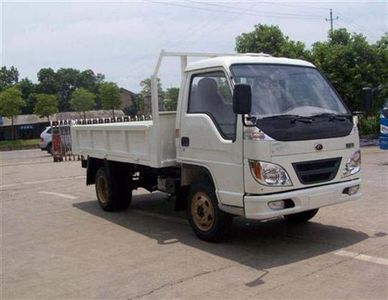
(331, 19)
(355, 25)
(237, 12)
(295, 5)
(259, 12)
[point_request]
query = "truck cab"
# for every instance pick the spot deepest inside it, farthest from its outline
(294, 150)
(255, 136)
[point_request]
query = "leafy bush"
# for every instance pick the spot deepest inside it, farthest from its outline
(369, 126)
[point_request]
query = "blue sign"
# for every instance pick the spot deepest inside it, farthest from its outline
(383, 139)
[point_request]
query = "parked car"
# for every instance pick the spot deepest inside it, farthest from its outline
(45, 140)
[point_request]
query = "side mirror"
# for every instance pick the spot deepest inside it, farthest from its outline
(242, 99)
(367, 99)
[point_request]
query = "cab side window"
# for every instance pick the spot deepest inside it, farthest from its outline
(210, 94)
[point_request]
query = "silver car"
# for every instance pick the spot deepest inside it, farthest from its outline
(45, 140)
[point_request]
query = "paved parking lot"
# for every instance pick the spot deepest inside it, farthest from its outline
(57, 243)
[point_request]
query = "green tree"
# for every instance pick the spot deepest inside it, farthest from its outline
(144, 99)
(381, 47)
(90, 81)
(110, 96)
(271, 40)
(340, 37)
(348, 60)
(82, 100)
(146, 86)
(68, 82)
(351, 63)
(131, 110)
(171, 99)
(64, 81)
(48, 81)
(383, 42)
(86, 79)
(8, 77)
(139, 105)
(28, 90)
(46, 105)
(11, 103)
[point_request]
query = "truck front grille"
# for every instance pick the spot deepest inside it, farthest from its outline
(316, 171)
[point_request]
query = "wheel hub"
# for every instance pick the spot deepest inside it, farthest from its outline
(202, 211)
(102, 190)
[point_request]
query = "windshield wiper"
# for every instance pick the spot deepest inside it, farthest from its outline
(332, 117)
(293, 118)
(302, 119)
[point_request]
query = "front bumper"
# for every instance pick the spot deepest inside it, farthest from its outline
(256, 206)
(42, 144)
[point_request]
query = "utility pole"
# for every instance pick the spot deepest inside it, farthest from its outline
(331, 19)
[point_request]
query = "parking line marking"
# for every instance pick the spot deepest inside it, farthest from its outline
(66, 196)
(8, 185)
(2, 187)
(52, 180)
(359, 256)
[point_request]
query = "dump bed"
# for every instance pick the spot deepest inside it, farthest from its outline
(138, 142)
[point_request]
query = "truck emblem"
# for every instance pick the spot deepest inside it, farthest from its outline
(318, 147)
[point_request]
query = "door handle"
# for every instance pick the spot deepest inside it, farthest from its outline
(185, 141)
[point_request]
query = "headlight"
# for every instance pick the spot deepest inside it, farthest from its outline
(269, 174)
(353, 165)
(383, 129)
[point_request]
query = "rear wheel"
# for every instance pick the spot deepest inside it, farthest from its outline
(301, 217)
(208, 222)
(113, 192)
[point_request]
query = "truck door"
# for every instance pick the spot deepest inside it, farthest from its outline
(210, 135)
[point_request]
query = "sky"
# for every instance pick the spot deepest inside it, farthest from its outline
(123, 39)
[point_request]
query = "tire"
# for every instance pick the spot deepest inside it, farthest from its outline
(208, 222)
(112, 195)
(49, 149)
(301, 217)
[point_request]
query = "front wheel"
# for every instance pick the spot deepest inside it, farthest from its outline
(301, 217)
(208, 222)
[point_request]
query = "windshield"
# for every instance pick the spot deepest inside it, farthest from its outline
(287, 90)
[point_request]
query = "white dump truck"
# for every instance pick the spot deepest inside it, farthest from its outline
(253, 136)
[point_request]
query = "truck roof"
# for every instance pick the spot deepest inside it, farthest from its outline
(247, 58)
